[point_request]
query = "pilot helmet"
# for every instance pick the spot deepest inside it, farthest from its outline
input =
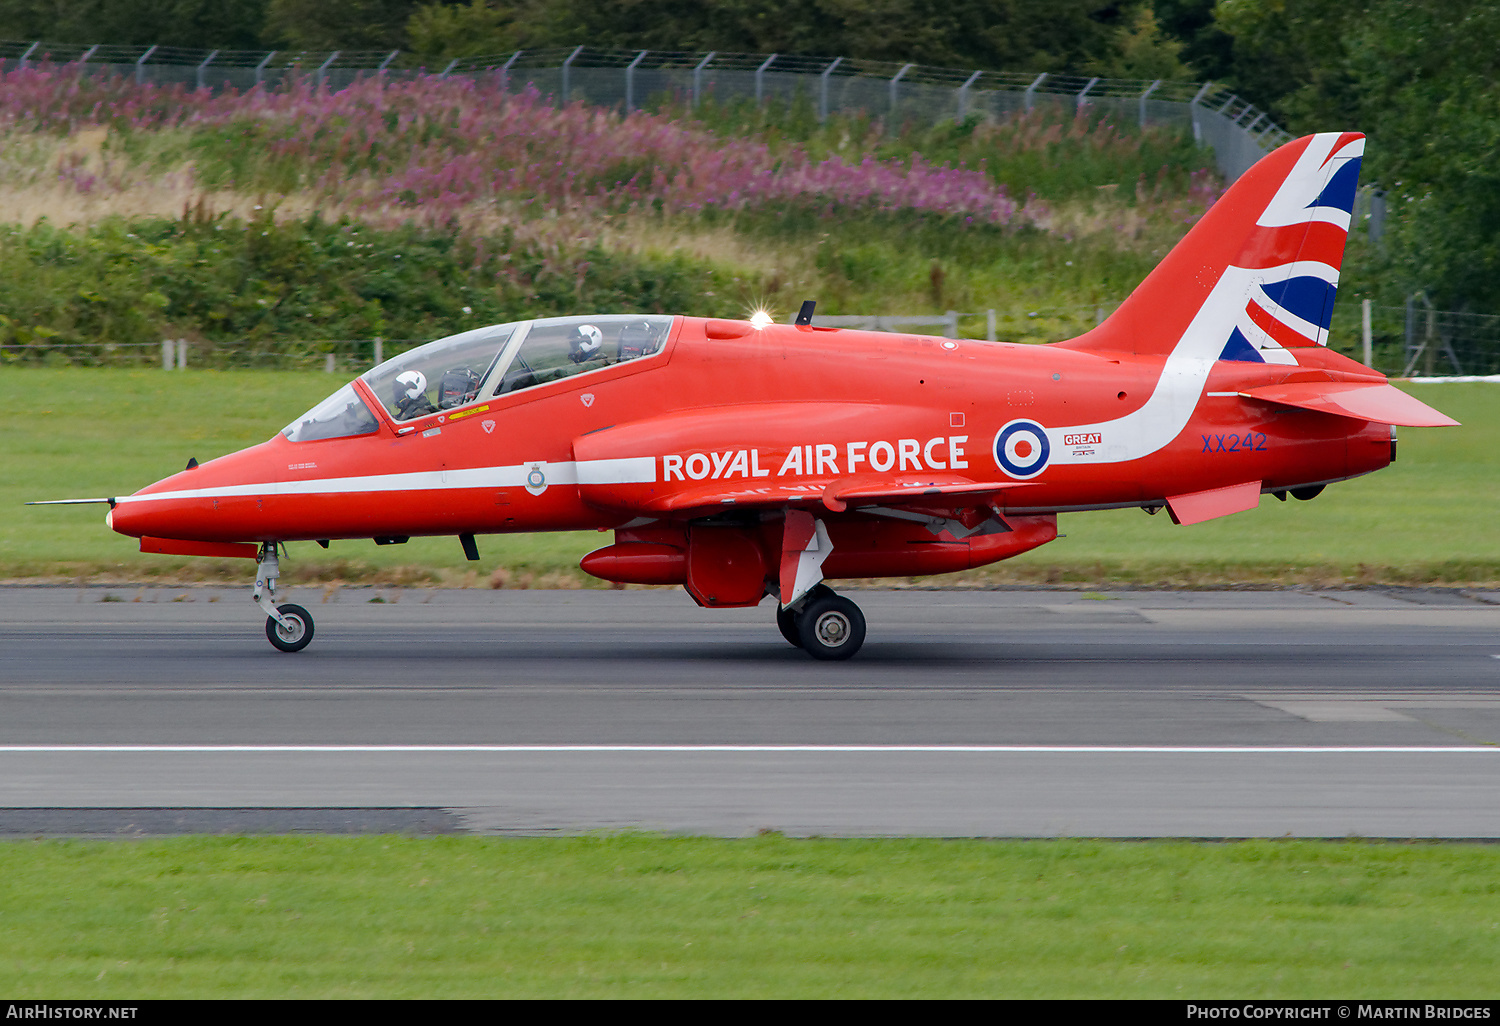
(586, 342)
(410, 384)
(637, 339)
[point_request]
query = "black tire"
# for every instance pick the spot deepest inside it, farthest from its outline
(786, 619)
(786, 622)
(295, 640)
(831, 627)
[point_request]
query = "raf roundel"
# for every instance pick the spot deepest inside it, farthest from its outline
(1022, 448)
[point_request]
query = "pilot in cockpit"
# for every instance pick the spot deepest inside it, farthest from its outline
(411, 395)
(586, 343)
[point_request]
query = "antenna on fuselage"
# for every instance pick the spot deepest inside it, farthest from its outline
(804, 316)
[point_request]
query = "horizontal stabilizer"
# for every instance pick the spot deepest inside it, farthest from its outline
(1196, 507)
(1383, 404)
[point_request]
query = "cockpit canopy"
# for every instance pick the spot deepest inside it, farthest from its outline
(482, 364)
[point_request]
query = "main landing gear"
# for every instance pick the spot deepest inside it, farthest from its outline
(823, 624)
(289, 627)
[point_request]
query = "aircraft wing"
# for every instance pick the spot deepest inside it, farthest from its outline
(836, 495)
(1381, 403)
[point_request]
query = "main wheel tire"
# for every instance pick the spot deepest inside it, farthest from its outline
(295, 638)
(786, 619)
(831, 627)
(786, 622)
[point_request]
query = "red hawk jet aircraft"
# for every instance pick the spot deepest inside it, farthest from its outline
(742, 459)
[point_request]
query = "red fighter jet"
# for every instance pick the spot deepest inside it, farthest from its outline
(742, 459)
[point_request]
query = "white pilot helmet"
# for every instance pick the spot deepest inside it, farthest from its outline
(587, 341)
(410, 384)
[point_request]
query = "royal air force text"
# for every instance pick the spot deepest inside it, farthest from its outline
(945, 452)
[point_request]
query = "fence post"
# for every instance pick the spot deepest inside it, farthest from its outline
(182, 354)
(567, 70)
(1144, 97)
(328, 364)
(1193, 111)
(989, 325)
(166, 354)
(1083, 96)
(698, 78)
(140, 66)
(323, 68)
(204, 67)
(823, 88)
(760, 77)
(950, 321)
(1409, 331)
(1368, 335)
(630, 80)
(505, 71)
(1429, 343)
(963, 95)
(260, 69)
(379, 351)
(1031, 90)
(895, 80)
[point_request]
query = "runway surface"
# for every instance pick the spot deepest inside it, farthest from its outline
(1014, 713)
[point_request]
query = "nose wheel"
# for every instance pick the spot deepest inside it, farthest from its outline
(827, 626)
(294, 631)
(289, 627)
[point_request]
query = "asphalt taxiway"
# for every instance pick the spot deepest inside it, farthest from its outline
(1373, 712)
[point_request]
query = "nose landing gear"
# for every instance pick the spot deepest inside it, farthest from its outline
(823, 624)
(289, 627)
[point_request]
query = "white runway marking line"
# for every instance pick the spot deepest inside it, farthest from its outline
(684, 748)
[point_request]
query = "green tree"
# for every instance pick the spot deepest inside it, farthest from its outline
(199, 24)
(1057, 35)
(446, 31)
(338, 24)
(1284, 47)
(1206, 48)
(1422, 81)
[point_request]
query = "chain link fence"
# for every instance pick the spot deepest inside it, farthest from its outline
(1407, 341)
(346, 357)
(1238, 132)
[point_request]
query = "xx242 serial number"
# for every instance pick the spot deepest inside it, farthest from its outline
(1250, 441)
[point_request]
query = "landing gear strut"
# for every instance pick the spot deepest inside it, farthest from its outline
(289, 627)
(823, 624)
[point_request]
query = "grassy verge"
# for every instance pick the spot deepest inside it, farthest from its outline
(637, 916)
(1427, 519)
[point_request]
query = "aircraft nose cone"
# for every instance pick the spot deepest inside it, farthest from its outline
(226, 499)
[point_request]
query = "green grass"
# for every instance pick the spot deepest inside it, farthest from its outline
(641, 916)
(81, 432)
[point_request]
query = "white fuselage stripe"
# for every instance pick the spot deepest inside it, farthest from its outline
(615, 471)
(894, 749)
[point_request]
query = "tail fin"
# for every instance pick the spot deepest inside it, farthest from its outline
(1257, 275)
